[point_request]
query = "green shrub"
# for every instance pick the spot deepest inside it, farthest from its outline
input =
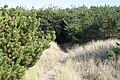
(114, 54)
(81, 24)
(21, 42)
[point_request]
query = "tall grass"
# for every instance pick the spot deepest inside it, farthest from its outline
(86, 62)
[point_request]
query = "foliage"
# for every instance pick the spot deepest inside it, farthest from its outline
(21, 42)
(82, 24)
(114, 54)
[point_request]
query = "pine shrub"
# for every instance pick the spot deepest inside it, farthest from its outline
(21, 42)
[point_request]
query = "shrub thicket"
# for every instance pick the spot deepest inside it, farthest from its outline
(82, 24)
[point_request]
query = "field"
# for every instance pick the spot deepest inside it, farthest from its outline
(81, 62)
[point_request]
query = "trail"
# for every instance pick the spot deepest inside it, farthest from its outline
(51, 73)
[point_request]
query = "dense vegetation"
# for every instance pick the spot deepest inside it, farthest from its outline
(82, 24)
(79, 25)
(24, 33)
(21, 42)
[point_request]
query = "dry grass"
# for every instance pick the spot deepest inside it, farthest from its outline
(48, 59)
(88, 62)
(87, 70)
(94, 50)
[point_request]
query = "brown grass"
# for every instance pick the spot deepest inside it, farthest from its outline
(88, 62)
